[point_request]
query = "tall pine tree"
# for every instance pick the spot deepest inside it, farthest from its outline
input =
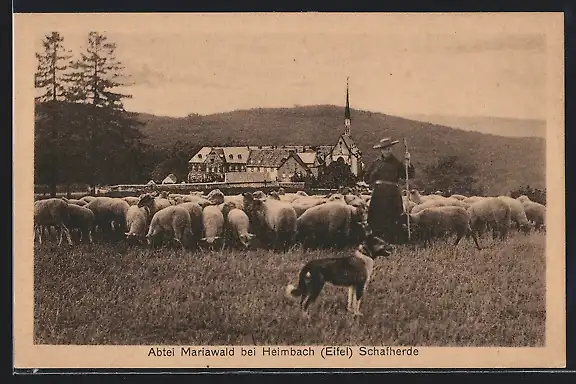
(111, 133)
(51, 85)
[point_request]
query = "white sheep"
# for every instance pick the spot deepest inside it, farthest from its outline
(416, 197)
(237, 225)
(493, 213)
(137, 219)
(536, 213)
(174, 221)
(517, 213)
(444, 202)
(213, 223)
(432, 222)
(87, 199)
(131, 200)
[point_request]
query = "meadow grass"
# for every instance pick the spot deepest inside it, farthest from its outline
(122, 294)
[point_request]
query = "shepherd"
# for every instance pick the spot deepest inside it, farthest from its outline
(385, 213)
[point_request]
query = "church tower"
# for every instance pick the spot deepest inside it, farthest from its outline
(347, 113)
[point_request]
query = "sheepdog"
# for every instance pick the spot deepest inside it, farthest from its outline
(353, 271)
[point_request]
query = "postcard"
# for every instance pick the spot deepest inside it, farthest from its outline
(258, 190)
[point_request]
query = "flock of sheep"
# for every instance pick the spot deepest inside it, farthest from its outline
(276, 220)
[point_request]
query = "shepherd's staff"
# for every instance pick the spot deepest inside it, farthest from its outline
(406, 162)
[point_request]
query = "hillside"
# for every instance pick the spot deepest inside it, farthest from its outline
(493, 125)
(504, 162)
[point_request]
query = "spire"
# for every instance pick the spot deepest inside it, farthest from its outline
(347, 112)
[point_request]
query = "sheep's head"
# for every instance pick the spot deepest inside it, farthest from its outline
(226, 208)
(337, 197)
(216, 197)
(526, 228)
(146, 201)
(274, 195)
(133, 238)
(246, 240)
(211, 243)
(259, 195)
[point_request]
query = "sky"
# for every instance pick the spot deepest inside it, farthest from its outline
(209, 64)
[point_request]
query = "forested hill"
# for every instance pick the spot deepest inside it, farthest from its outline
(503, 163)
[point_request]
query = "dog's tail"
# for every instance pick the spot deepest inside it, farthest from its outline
(293, 292)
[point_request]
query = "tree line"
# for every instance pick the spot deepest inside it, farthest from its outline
(83, 134)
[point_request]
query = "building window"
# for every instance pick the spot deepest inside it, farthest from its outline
(239, 156)
(231, 156)
(199, 156)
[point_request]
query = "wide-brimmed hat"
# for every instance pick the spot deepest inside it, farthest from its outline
(385, 143)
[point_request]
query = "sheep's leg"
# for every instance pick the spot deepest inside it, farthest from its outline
(67, 233)
(475, 240)
(351, 295)
(459, 236)
(60, 238)
(39, 231)
(64, 231)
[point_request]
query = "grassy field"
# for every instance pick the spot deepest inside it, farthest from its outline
(440, 296)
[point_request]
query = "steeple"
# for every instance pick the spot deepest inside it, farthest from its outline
(347, 112)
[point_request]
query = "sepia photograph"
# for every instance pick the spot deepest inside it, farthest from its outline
(290, 186)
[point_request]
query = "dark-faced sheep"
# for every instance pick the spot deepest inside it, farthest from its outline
(274, 221)
(435, 222)
(215, 197)
(82, 219)
(52, 212)
(154, 204)
(108, 212)
(197, 226)
(173, 221)
(492, 213)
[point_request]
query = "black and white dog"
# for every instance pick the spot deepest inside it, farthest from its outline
(353, 272)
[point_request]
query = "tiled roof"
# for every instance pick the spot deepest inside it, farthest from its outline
(200, 156)
(267, 157)
(236, 155)
(307, 157)
(350, 144)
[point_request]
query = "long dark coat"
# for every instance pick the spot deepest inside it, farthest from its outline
(385, 214)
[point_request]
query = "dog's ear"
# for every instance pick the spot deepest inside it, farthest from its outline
(380, 247)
